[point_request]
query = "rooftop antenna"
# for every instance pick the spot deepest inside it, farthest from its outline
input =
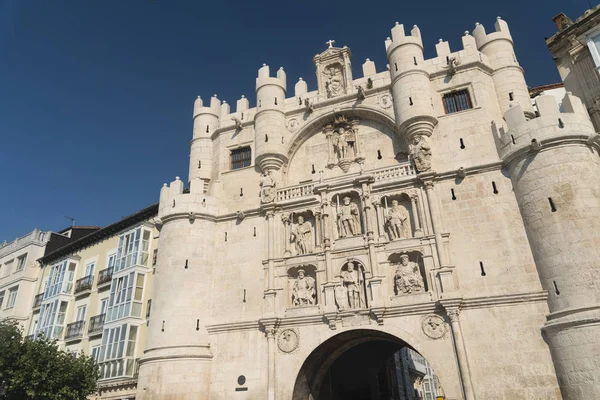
(72, 220)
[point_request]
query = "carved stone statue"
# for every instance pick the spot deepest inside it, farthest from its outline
(408, 279)
(267, 184)
(421, 152)
(344, 143)
(396, 219)
(303, 236)
(352, 281)
(303, 292)
(361, 93)
(348, 218)
(333, 83)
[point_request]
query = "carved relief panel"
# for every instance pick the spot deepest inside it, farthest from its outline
(334, 71)
(351, 293)
(302, 286)
(409, 274)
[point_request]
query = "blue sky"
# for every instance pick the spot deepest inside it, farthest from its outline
(96, 96)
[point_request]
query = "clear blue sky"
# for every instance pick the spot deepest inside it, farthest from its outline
(96, 96)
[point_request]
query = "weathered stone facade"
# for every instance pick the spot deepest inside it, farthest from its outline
(408, 207)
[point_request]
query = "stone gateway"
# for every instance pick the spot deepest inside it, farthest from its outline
(409, 233)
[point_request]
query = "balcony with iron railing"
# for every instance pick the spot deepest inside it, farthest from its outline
(104, 278)
(83, 286)
(37, 300)
(74, 331)
(96, 325)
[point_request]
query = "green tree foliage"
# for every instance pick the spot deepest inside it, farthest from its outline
(38, 369)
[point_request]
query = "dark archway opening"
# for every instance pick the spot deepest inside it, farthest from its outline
(365, 365)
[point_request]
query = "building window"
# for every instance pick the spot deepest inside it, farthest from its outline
(21, 262)
(117, 351)
(5, 271)
(457, 101)
(12, 297)
(60, 279)
(241, 158)
(95, 353)
(2, 298)
(81, 313)
(89, 269)
(133, 249)
(52, 319)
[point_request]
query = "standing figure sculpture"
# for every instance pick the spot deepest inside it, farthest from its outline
(408, 279)
(303, 236)
(396, 218)
(421, 152)
(348, 219)
(352, 281)
(267, 185)
(333, 83)
(303, 292)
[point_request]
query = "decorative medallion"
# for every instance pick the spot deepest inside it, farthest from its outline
(434, 326)
(385, 101)
(293, 125)
(288, 340)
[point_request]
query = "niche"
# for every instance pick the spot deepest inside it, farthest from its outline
(397, 216)
(302, 286)
(351, 293)
(408, 272)
(349, 213)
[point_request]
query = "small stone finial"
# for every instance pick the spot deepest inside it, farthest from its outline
(214, 95)
(264, 65)
(415, 26)
(368, 59)
(164, 185)
(281, 68)
(177, 178)
(466, 33)
(498, 17)
(476, 23)
(388, 38)
(397, 23)
(224, 102)
(243, 97)
(330, 43)
(300, 79)
(441, 40)
(198, 97)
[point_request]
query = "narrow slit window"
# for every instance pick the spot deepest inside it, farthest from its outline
(410, 101)
(556, 288)
(511, 96)
(552, 206)
(241, 192)
(457, 101)
(513, 139)
(462, 143)
(241, 157)
(379, 156)
(313, 169)
(396, 66)
(495, 189)
(481, 267)
(415, 60)
(453, 195)
(199, 164)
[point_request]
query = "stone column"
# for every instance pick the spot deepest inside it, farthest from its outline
(328, 130)
(270, 247)
(416, 214)
(318, 228)
(436, 221)
(285, 218)
(376, 200)
(271, 389)
(461, 353)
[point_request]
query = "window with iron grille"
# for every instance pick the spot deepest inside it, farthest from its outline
(241, 158)
(457, 101)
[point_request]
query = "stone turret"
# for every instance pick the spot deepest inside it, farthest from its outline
(206, 121)
(178, 345)
(411, 87)
(508, 75)
(554, 168)
(269, 121)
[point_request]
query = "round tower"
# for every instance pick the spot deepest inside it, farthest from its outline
(269, 121)
(554, 168)
(177, 361)
(508, 75)
(411, 87)
(206, 120)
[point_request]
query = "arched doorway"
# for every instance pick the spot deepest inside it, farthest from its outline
(365, 365)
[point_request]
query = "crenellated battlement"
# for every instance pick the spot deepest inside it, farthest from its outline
(214, 108)
(551, 125)
(399, 38)
(483, 39)
(174, 202)
(264, 78)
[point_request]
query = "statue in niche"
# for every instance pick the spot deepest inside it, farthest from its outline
(421, 153)
(408, 279)
(348, 218)
(344, 142)
(267, 185)
(333, 81)
(397, 218)
(352, 281)
(303, 236)
(303, 292)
